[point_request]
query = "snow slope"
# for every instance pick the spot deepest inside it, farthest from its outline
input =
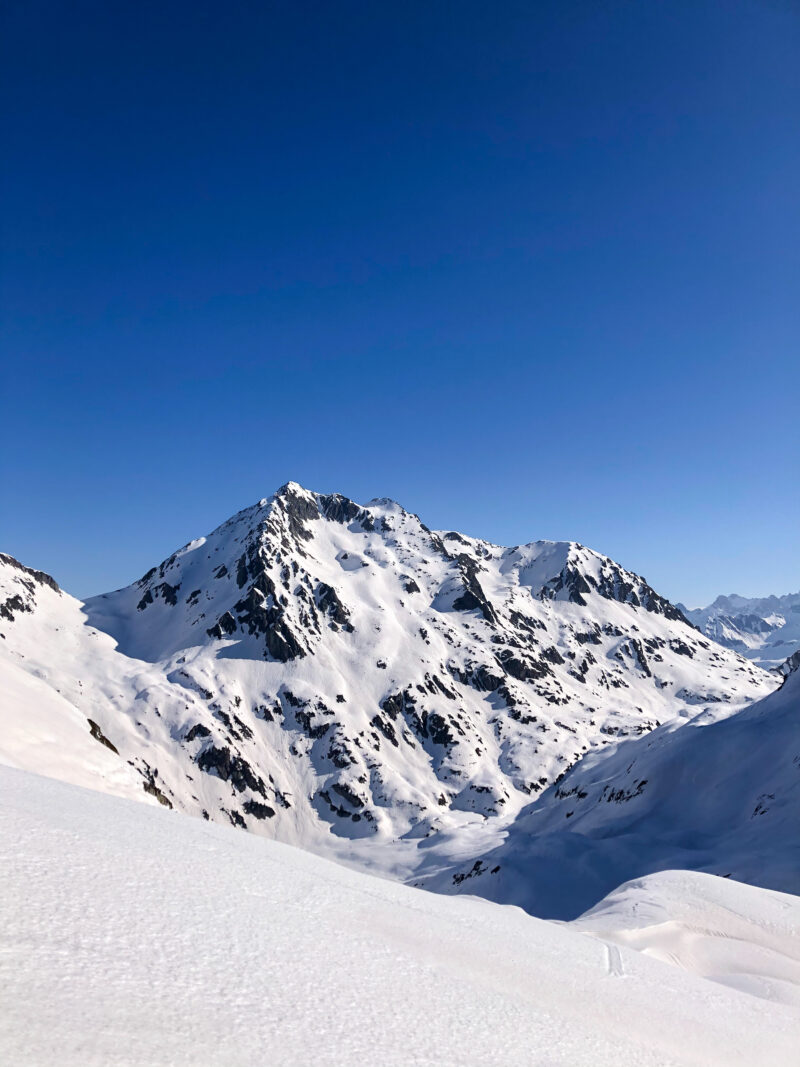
(716, 794)
(42, 729)
(344, 678)
(764, 629)
(743, 937)
(133, 936)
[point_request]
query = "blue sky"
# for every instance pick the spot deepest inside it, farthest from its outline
(529, 268)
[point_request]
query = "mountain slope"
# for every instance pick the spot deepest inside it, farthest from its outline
(133, 937)
(764, 629)
(326, 673)
(716, 795)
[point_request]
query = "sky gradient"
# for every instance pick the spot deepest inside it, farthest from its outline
(530, 269)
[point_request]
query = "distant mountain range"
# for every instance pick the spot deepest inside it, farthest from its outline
(764, 629)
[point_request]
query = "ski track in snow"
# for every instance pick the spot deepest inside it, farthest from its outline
(614, 962)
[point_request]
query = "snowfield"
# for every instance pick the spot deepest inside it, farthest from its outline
(134, 936)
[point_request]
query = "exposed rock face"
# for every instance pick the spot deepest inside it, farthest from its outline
(790, 665)
(316, 665)
(28, 574)
(22, 589)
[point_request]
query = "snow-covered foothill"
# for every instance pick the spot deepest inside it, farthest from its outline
(720, 795)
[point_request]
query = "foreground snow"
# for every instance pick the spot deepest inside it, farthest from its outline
(132, 935)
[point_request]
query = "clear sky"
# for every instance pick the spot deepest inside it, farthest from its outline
(531, 269)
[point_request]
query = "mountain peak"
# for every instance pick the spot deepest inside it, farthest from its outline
(384, 502)
(291, 488)
(319, 670)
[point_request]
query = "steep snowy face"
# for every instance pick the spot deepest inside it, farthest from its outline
(317, 666)
(764, 629)
(716, 795)
(46, 718)
(254, 584)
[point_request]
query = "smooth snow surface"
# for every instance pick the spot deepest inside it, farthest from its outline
(135, 936)
(744, 937)
(42, 729)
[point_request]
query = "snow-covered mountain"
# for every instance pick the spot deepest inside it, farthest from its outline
(313, 665)
(324, 673)
(764, 629)
(717, 794)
